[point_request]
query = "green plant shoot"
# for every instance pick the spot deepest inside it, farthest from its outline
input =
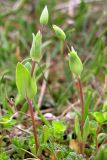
(75, 63)
(44, 16)
(59, 33)
(35, 52)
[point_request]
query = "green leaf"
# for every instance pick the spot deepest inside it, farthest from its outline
(86, 129)
(58, 127)
(28, 66)
(19, 143)
(44, 120)
(77, 128)
(7, 121)
(18, 99)
(104, 107)
(35, 52)
(88, 98)
(4, 156)
(105, 116)
(75, 63)
(101, 137)
(25, 83)
(99, 117)
(24, 107)
(45, 134)
(44, 16)
(93, 126)
(102, 154)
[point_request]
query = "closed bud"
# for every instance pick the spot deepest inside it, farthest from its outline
(44, 16)
(75, 63)
(35, 52)
(59, 32)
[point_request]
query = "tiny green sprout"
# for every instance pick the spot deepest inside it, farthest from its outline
(75, 63)
(35, 52)
(44, 16)
(59, 32)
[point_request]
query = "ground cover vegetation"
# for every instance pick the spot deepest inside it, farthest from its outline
(53, 80)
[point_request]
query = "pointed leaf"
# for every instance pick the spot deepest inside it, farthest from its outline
(25, 83)
(77, 128)
(88, 98)
(86, 129)
(45, 134)
(99, 117)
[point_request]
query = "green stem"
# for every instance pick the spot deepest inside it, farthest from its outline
(82, 102)
(28, 152)
(62, 55)
(61, 47)
(82, 109)
(63, 59)
(41, 115)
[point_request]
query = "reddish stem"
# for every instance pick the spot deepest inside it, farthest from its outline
(33, 123)
(81, 145)
(33, 67)
(97, 132)
(32, 113)
(96, 144)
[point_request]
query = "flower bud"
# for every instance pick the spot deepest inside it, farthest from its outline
(75, 63)
(35, 52)
(59, 32)
(44, 16)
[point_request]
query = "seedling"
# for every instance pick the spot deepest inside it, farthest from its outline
(51, 139)
(27, 89)
(25, 80)
(76, 68)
